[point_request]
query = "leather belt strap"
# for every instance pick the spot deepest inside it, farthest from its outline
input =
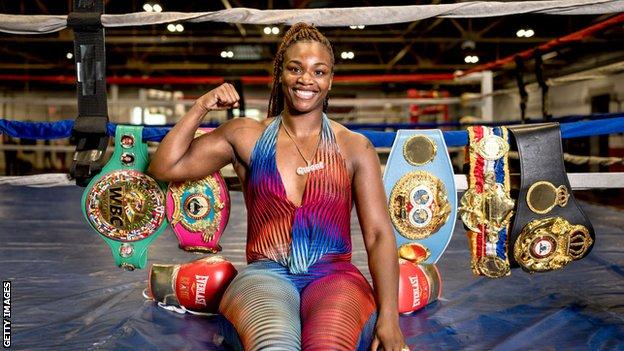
(89, 133)
(550, 229)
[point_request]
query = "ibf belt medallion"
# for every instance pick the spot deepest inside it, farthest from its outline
(126, 206)
(198, 212)
(550, 243)
(419, 205)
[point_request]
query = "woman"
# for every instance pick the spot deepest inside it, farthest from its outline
(300, 172)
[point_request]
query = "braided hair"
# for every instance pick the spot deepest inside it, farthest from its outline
(300, 32)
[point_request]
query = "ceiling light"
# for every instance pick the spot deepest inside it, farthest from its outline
(360, 27)
(171, 27)
(157, 8)
(347, 55)
(230, 54)
(69, 55)
(275, 30)
(526, 33)
(267, 30)
(353, 27)
(224, 54)
(179, 28)
(147, 7)
(468, 45)
(471, 59)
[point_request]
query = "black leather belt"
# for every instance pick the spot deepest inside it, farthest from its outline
(550, 229)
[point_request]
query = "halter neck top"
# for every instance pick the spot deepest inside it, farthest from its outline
(298, 236)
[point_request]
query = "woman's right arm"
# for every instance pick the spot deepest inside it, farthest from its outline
(180, 156)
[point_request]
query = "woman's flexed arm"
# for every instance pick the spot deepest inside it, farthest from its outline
(182, 157)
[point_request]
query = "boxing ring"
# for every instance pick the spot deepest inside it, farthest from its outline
(66, 294)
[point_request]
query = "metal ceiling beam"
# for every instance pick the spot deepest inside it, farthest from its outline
(489, 27)
(30, 66)
(42, 7)
(432, 26)
(22, 54)
(459, 27)
(304, 4)
(176, 66)
(240, 27)
(399, 55)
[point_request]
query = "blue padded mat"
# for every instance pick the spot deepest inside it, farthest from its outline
(67, 294)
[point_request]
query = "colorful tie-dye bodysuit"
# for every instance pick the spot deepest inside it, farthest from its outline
(300, 290)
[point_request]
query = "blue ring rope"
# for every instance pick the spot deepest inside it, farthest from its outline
(62, 129)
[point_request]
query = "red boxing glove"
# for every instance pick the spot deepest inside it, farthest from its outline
(197, 286)
(419, 285)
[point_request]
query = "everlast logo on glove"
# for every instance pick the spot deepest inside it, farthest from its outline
(200, 294)
(193, 289)
(197, 286)
(419, 284)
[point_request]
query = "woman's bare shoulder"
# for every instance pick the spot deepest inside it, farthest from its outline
(350, 141)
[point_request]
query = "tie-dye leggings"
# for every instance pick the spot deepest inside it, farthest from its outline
(329, 308)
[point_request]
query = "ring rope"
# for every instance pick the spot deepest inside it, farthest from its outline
(42, 24)
(62, 129)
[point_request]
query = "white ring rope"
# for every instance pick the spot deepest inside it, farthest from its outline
(39, 181)
(41, 24)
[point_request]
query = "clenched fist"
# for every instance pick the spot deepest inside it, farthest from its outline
(222, 97)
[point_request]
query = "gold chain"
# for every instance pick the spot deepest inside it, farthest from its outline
(308, 162)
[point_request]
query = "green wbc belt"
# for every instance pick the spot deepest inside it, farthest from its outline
(122, 204)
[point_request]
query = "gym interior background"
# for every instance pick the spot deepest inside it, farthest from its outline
(185, 60)
(69, 295)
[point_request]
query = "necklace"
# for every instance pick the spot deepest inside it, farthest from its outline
(309, 166)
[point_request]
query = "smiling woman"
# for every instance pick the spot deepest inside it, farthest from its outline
(301, 173)
(320, 49)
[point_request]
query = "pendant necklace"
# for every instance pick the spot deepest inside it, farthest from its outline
(309, 166)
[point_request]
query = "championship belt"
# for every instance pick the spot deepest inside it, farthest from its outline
(122, 204)
(420, 185)
(199, 211)
(486, 207)
(550, 229)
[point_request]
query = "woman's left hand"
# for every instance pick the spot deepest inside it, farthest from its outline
(388, 335)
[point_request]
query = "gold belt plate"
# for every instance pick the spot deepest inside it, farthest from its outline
(419, 205)
(492, 208)
(550, 243)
